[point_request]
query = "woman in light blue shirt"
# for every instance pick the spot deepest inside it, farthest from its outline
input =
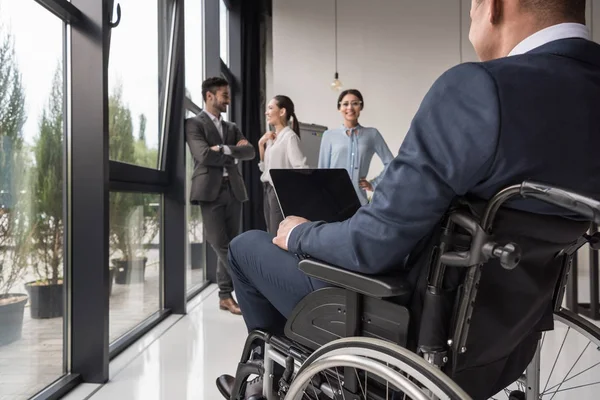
(352, 146)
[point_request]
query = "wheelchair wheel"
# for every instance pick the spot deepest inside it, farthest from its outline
(570, 356)
(382, 370)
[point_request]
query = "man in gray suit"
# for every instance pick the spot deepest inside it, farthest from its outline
(217, 185)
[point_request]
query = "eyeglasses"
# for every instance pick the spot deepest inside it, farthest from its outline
(353, 104)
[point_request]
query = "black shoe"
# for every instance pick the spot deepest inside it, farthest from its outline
(225, 385)
(254, 388)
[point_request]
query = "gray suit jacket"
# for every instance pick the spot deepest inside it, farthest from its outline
(201, 134)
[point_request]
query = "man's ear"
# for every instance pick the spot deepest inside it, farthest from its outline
(496, 11)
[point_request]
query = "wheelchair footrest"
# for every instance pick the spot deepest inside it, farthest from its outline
(321, 318)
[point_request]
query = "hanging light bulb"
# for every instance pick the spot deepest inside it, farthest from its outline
(336, 85)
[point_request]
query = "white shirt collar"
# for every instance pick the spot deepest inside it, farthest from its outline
(213, 117)
(555, 32)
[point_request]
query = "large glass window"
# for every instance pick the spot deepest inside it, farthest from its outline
(134, 84)
(194, 50)
(224, 32)
(32, 222)
(196, 245)
(135, 259)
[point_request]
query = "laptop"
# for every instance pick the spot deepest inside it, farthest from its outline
(315, 194)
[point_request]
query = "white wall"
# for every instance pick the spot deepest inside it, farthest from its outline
(390, 50)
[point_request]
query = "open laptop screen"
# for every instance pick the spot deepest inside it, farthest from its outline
(315, 194)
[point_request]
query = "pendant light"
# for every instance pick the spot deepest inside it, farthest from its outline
(336, 85)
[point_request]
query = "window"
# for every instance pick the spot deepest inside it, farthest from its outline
(224, 32)
(196, 245)
(195, 263)
(32, 183)
(194, 50)
(135, 259)
(134, 85)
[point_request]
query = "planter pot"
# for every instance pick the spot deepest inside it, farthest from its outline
(197, 256)
(130, 271)
(12, 307)
(111, 278)
(46, 301)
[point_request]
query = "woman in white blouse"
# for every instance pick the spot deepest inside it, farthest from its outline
(278, 150)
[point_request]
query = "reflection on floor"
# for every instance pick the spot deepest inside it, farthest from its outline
(182, 361)
(30, 364)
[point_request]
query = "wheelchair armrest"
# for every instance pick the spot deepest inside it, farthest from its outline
(379, 286)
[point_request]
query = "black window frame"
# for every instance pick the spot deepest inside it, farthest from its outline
(90, 175)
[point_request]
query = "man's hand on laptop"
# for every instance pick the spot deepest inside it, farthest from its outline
(285, 228)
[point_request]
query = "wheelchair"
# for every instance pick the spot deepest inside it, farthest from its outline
(474, 317)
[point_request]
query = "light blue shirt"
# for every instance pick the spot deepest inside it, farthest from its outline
(354, 153)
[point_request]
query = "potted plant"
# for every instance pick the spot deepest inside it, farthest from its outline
(15, 238)
(133, 219)
(46, 293)
(14, 249)
(130, 226)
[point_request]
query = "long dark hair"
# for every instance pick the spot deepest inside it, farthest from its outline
(290, 111)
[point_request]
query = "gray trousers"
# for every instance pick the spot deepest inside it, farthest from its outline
(222, 219)
(273, 214)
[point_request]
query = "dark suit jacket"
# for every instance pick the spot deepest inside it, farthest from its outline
(481, 127)
(201, 134)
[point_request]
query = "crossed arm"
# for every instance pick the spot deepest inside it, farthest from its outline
(209, 155)
(243, 150)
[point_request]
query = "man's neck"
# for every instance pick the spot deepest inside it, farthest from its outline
(213, 112)
(520, 30)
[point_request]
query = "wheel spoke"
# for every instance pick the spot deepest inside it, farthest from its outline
(574, 376)
(557, 357)
(577, 387)
(570, 370)
(360, 383)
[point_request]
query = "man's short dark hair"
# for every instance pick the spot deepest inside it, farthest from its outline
(212, 85)
(572, 10)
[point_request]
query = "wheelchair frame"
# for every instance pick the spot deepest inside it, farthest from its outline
(292, 355)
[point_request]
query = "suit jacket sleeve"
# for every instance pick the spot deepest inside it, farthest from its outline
(199, 147)
(243, 153)
(449, 149)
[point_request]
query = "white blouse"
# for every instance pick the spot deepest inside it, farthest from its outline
(282, 153)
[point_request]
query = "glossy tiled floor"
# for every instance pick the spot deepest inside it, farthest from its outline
(182, 357)
(180, 360)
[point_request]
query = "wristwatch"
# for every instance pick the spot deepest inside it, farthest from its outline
(220, 148)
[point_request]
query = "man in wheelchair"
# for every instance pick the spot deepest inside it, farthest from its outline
(397, 269)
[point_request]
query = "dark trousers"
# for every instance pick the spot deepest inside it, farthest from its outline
(221, 220)
(273, 214)
(267, 281)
